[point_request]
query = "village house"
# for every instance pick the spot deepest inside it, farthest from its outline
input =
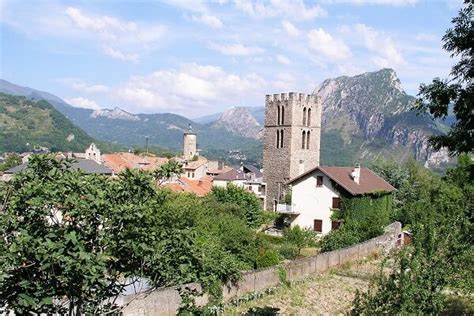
(199, 187)
(317, 194)
(124, 160)
(87, 166)
(246, 176)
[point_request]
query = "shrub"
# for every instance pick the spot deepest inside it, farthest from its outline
(267, 257)
(289, 251)
(298, 237)
(340, 238)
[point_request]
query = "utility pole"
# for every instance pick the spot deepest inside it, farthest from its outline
(146, 144)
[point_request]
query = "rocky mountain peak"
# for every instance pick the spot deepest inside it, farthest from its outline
(116, 113)
(240, 121)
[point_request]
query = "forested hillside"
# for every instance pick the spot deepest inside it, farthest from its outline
(26, 124)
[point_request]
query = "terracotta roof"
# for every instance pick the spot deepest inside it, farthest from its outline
(121, 161)
(199, 187)
(369, 182)
(220, 171)
(233, 174)
(193, 165)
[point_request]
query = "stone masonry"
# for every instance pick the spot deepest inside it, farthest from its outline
(285, 153)
(189, 144)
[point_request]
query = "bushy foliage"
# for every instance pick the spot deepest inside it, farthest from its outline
(299, 237)
(440, 257)
(339, 238)
(11, 161)
(245, 200)
(69, 241)
(363, 217)
(457, 92)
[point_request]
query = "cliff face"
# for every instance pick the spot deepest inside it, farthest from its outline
(372, 110)
(240, 121)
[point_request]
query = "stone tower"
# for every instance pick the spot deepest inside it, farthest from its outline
(291, 140)
(189, 144)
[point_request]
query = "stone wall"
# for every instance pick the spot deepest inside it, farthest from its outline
(166, 301)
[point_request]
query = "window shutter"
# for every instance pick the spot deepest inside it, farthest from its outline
(318, 225)
(336, 202)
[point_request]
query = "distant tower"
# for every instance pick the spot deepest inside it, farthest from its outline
(189, 143)
(93, 153)
(291, 140)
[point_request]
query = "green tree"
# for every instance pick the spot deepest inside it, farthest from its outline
(70, 241)
(458, 92)
(11, 161)
(245, 200)
(168, 171)
(299, 237)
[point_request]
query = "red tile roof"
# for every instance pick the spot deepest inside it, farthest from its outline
(369, 182)
(121, 161)
(199, 187)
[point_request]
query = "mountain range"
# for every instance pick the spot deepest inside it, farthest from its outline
(364, 117)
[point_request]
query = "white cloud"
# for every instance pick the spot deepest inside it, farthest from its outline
(117, 54)
(387, 54)
(238, 50)
(292, 30)
(81, 102)
(209, 20)
(285, 82)
(291, 9)
(119, 39)
(189, 89)
(283, 60)
(327, 46)
(374, 2)
(89, 88)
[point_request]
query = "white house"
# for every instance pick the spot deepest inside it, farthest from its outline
(318, 191)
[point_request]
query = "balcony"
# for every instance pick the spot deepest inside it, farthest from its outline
(286, 209)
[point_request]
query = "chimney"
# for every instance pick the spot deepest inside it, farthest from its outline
(356, 174)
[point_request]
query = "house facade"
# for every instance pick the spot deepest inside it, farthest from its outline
(317, 193)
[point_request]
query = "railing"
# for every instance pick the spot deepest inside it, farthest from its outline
(286, 209)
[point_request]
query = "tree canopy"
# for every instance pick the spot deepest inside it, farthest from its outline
(457, 92)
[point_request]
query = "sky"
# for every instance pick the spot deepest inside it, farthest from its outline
(200, 57)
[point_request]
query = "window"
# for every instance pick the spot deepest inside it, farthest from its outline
(336, 202)
(281, 139)
(282, 115)
(308, 121)
(304, 116)
(318, 225)
(335, 225)
(278, 116)
(278, 139)
(319, 181)
(307, 140)
(303, 139)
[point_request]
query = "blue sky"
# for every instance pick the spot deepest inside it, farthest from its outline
(200, 57)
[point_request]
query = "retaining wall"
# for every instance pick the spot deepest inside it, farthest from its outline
(166, 301)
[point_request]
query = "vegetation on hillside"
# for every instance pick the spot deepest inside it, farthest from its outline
(26, 125)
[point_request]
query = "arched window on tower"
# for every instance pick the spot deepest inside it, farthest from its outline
(307, 140)
(278, 115)
(309, 117)
(303, 139)
(282, 115)
(281, 139)
(304, 116)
